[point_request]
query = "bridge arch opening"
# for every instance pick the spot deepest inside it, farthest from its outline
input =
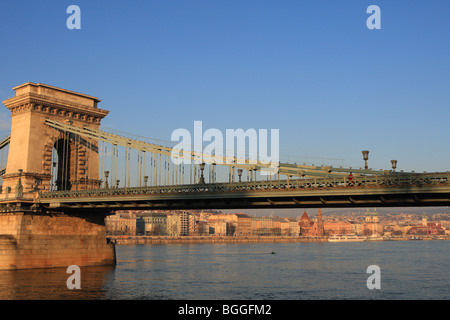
(61, 165)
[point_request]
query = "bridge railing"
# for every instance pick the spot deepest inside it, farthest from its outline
(393, 179)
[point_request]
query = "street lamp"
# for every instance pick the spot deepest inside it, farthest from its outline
(394, 164)
(365, 157)
(106, 179)
(239, 174)
(202, 178)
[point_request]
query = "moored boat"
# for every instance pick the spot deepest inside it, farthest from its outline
(345, 238)
(375, 238)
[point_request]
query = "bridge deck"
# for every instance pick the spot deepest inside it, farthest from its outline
(391, 191)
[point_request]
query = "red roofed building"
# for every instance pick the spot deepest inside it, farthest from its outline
(309, 227)
(306, 225)
(426, 228)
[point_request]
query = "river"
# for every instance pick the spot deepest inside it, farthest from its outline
(256, 271)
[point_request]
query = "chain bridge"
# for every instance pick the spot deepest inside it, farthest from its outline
(61, 164)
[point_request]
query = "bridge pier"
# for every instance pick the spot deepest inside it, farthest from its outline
(35, 240)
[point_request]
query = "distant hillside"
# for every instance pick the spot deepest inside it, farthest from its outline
(340, 211)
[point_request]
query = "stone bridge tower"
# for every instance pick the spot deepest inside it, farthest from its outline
(34, 144)
(34, 238)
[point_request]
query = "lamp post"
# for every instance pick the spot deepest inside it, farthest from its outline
(202, 178)
(213, 177)
(106, 179)
(365, 158)
(394, 164)
(19, 186)
(239, 174)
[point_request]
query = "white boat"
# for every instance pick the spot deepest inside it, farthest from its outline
(345, 238)
(375, 238)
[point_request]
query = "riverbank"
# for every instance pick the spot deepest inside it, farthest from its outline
(124, 240)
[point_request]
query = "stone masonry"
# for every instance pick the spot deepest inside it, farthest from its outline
(46, 241)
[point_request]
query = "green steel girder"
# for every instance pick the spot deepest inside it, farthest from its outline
(5, 142)
(283, 168)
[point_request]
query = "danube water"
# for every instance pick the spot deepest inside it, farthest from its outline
(257, 271)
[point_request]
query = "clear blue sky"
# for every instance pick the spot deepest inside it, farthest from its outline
(311, 69)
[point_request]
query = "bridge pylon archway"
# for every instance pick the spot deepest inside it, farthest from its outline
(44, 157)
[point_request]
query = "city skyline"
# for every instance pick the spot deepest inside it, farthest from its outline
(312, 212)
(218, 223)
(311, 69)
